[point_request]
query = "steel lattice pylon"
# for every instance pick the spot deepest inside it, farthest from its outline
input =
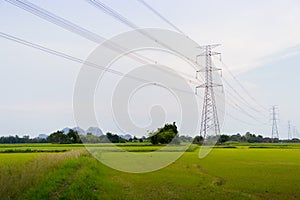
(209, 120)
(274, 113)
(290, 130)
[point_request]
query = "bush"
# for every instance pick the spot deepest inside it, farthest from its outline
(167, 134)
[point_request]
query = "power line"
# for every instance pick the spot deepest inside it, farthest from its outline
(85, 33)
(50, 17)
(107, 10)
(242, 110)
(244, 100)
(210, 121)
(65, 24)
(78, 60)
(176, 28)
(239, 120)
(241, 98)
(113, 13)
(232, 116)
(241, 85)
(161, 16)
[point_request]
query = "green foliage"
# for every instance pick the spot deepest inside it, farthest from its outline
(20, 140)
(223, 138)
(184, 138)
(114, 138)
(90, 138)
(154, 138)
(73, 136)
(32, 150)
(22, 171)
(59, 137)
(198, 139)
(108, 138)
(165, 135)
(248, 137)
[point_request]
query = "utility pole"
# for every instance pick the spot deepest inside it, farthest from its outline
(289, 130)
(274, 114)
(209, 121)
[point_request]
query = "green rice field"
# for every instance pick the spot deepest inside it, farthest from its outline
(233, 171)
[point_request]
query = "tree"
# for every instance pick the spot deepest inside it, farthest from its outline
(186, 138)
(90, 138)
(198, 139)
(58, 137)
(236, 138)
(153, 137)
(134, 139)
(165, 135)
(73, 136)
(114, 138)
(223, 138)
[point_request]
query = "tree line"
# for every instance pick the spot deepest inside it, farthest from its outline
(165, 135)
(20, 140)
(252, 138)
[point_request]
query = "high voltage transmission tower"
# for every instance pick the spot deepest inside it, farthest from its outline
(274, 115)
(289, 130)
(209, 120)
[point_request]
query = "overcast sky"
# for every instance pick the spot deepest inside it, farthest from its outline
(260, 44)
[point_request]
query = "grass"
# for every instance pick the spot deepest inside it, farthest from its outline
(131, 147)
(226, 173)
(86, 178)
(15, 159)
(81, 178)
(266, 173)
(47, 146)
(21, 171)
(263, 145)
(134, 147)
(32, 150)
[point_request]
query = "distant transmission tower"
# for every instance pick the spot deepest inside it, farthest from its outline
(289, 130)
(274, 114)
(209, 120)
(295, 132)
